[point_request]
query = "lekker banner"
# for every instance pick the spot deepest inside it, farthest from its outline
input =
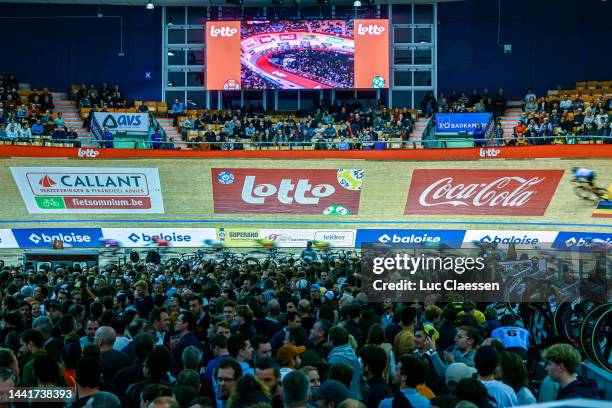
(331, 192)
(101, 190)
(123, 122)
(481, 192)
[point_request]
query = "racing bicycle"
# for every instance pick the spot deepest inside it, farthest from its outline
(584, 190)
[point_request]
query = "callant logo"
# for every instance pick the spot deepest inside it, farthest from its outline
(370, 29)
(46, 181)
(290, 191)
(303, 192)
(223, 31)
(501, 192)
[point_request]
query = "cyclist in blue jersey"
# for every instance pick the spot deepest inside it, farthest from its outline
(584, 174)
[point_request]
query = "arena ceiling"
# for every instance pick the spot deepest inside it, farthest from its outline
(201, 3)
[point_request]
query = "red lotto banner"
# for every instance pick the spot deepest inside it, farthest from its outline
(481, 192)
(289, 191)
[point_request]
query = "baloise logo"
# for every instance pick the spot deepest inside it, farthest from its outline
(587, 243)
(170, 237)
(408, 239)
(68, 238)
(509, 240)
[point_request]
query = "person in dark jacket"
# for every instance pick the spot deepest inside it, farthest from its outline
(185, 325)
(562, 361)
(374, 362)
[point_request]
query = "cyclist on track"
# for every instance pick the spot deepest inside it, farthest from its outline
(584, 174)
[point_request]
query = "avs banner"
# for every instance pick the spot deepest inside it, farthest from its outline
(123, 121)
(481, 192)
(89, 190)
(460, 122)
(289, 191)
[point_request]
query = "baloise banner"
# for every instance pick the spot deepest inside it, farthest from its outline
(89, 190)
(290, 191)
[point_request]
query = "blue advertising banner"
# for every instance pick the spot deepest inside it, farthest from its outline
(583, 241)
(460, 122)
(71, 237)
(408, 237)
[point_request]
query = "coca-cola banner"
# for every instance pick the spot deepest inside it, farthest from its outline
(333, 192)
(481, 192)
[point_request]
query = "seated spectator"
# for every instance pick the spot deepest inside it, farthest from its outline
(520, 131)
(531, 105)
(107, 138)
(156, 138)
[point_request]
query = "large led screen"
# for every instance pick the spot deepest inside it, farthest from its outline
(310, 54)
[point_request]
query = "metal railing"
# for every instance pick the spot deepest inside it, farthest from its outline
(310, 145)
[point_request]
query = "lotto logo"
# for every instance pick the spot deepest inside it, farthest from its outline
(222, 31)
(371, 29)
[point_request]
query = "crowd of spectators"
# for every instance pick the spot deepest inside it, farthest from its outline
(561, 120)
(303, 334)
(330, 68)
(344, 128)
(101, 97)
(29, 116)
(336, 27)
(459, 102)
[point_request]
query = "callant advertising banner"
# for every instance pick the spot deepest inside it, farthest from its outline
(333, 192)
(89, 190)
(481, 192)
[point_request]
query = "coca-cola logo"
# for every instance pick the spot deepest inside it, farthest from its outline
(495, 193)
(490, 192)
(223, 31)
(370, 29)
(91, 153)
(279, 190)
(489, 152)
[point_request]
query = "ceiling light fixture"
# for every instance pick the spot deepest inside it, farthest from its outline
(170, 53)
(150, 5)
(357, 3)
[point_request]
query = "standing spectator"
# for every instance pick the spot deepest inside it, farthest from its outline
(374, 361)
(562, 361)
(107, 138)
(88, 373)
(295, 389)
(178, 109)
(111, 361)
(343, 353)
(514, 373)
(466, 341)
(227, 374)
(486, 361)
(410, 372)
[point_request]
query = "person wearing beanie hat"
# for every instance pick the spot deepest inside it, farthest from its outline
(331, 393)
(289, 358)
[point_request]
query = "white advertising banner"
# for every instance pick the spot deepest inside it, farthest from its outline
(7, 239)
(297, 238)
(176, 237)
(123, 121)
(89, 190)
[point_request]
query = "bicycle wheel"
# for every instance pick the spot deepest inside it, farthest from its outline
(586, 331)
(585, 193)
(600, 192)
(602, 339)
(569, 317)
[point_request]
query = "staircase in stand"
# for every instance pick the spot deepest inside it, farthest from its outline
(417, 134)
(70, 114)
(171, 131)
(511, 117)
